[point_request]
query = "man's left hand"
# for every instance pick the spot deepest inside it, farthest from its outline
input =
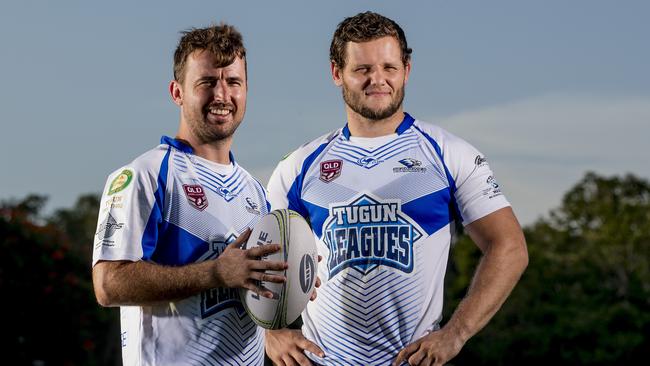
(435, 349)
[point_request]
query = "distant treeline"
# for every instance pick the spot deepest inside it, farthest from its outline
(583, 300)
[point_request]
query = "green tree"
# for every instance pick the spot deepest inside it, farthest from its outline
(585, 297)
(49, 310)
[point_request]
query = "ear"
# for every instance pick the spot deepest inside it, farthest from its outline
(176, 92)
(337, 74)
(407, 71)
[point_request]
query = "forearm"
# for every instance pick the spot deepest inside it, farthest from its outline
(143, 283)
(496, 275)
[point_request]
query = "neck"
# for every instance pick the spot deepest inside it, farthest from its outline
(363, 127)
(216, 151)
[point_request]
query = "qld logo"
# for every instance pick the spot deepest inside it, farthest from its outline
(367, 233)
(196, 196)
(330, 170)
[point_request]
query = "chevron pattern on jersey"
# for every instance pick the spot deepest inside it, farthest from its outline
(228, 186)
(229, 338)
(344, 149)
(373, 316)
(370, 321)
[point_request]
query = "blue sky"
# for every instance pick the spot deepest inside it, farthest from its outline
(547, 90)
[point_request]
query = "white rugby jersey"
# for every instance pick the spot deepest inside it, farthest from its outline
(172, 207)
(382, 211)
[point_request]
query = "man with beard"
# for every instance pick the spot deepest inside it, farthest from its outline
(382, 195)
(171, 223)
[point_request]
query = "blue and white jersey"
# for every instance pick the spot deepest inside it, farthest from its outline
(172, 207)
(382, 211)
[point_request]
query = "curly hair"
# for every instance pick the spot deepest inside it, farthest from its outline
(365, 27)
(223, 40)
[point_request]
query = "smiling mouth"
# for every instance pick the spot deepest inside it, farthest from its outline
(221, 110)
(373, 93)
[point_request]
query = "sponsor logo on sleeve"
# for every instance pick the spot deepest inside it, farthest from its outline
(121, 181)
(493, 189)
(115, 202)
(196, 196)
(330, 170)
(107, 230)
(480, 160)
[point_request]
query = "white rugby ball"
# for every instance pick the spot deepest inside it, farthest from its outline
(298, 248)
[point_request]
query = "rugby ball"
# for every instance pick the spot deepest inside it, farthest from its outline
(298, 248)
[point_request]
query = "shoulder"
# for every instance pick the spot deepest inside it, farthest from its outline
(439, 136)
(250, 178)
(309, 150)
(147, 166)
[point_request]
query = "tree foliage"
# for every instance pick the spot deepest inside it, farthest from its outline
(585, 296)
(50, 316)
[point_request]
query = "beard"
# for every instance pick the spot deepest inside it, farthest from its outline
(353, 100)
(207, 132)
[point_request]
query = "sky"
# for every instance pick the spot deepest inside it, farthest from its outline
(546, 90)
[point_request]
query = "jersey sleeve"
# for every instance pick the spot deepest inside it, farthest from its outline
(285, 184)
(281, 182)
(127, 204)
(476, 190)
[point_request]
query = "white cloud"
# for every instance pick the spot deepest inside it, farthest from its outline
(540, 147)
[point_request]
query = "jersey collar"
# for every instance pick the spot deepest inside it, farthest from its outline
(406, 123)
(182, 146)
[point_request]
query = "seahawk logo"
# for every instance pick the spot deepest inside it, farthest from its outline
(410, 165)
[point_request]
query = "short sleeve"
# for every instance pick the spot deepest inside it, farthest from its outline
(125, 209)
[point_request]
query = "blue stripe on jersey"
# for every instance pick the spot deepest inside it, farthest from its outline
(263, 190)
(406, 123)
(432, 211)
(452, 184)
(156, 224)
(177, 144)
(177, 246)
(295, 192)
(317, 216)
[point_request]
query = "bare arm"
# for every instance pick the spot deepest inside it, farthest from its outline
(504, 259)
(119, 283)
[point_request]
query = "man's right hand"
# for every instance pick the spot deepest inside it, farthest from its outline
(237, 267)
(285, 347)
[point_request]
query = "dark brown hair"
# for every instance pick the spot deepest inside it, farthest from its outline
(365, 27)
(223, 41)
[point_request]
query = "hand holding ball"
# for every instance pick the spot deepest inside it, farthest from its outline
(298, 249)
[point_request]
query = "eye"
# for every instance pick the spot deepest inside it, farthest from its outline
(208, 83)
(362, 69)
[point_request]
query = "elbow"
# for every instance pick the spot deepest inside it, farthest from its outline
(102, 285)
(522, 254)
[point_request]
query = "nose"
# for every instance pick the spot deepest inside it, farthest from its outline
(221, 92)
(377, 77)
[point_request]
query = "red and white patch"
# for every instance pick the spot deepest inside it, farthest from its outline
(330, 170)
(196, 196)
